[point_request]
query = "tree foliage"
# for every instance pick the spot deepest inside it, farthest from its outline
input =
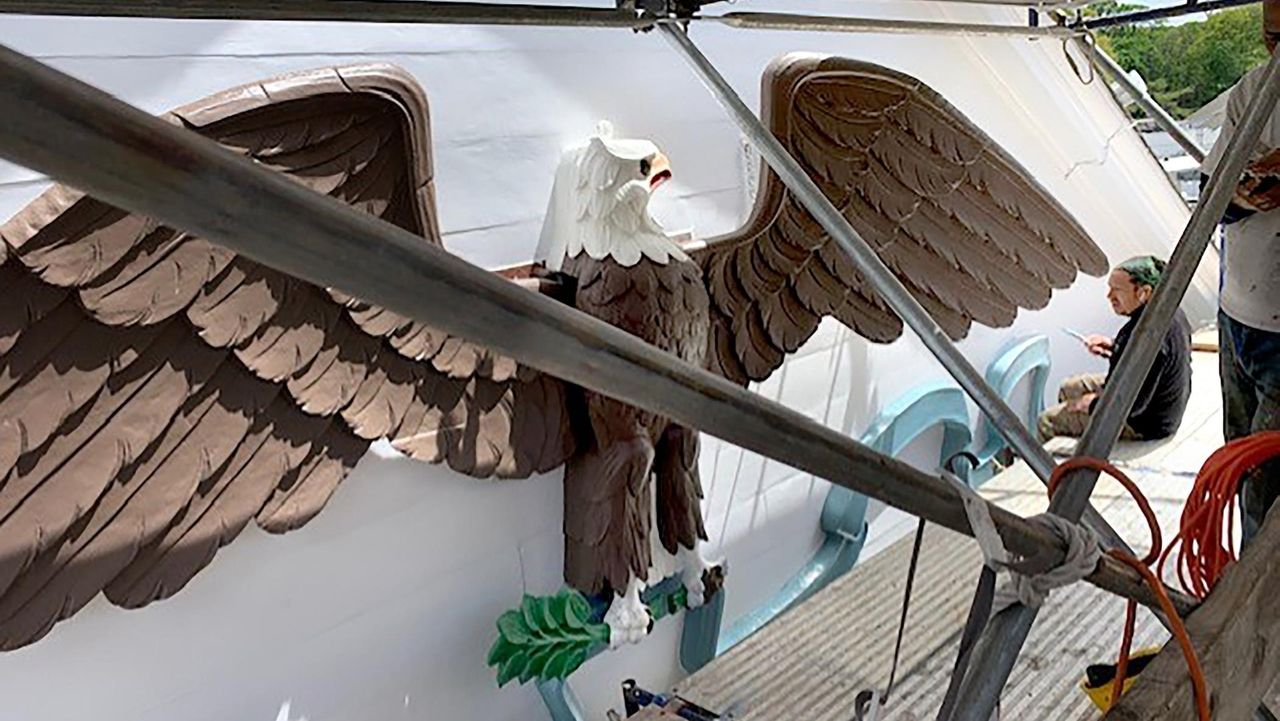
(1186, 66)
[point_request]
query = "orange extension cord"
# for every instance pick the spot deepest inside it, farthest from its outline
(1205, 540)
(1143, 567)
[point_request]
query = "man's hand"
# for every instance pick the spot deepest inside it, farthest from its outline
(1259, 190)
(1268, 164)
(1099, 345)
(1082, 404)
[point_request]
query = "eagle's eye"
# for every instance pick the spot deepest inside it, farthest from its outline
(645, 167)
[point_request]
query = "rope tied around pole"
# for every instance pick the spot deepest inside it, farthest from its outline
(1029, 582)
(1031, 587)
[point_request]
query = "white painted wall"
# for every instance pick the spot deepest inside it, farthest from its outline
(384, 606)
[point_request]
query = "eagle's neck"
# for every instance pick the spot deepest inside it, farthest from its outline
(624, 233)
(610, 222)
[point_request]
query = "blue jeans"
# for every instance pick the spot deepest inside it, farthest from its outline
(1249, 365)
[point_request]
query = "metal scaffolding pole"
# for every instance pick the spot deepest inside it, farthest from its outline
(879, 276)
(365, 11)
(112, 151)
(1171, 11)
(1000, 643)
(427, 12)
(1147, 103)
(826, 23)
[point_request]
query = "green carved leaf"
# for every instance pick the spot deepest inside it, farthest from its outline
(599, 632)
(512, 627)
(577, 610)
(559, 607)
(512, 668)
(532, 617)
(537, 662)
(549, 620)
(546, 637)
(500, 651)
(564, 662)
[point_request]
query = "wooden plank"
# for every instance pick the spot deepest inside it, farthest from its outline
(1236, 633)
(88, 139)
(1205, 341)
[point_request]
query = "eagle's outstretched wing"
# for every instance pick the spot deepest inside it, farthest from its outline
(969, 232)
(157, 391)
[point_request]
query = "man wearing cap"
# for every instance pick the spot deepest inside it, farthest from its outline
(1158, 410)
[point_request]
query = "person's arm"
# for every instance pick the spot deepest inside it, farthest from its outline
(1235, 213)
(1254, 191)
(1099, 345)
(1147, 392)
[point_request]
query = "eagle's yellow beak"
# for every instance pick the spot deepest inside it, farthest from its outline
(659, 171)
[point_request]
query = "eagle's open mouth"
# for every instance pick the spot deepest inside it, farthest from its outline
(659, 178)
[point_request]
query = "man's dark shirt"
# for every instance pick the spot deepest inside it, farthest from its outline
(1162, 400)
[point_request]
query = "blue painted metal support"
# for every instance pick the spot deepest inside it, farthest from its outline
(561, 704)
(1029, 357)
(844, 512)
(700, 637)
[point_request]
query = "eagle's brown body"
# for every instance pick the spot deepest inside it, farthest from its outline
(666, 305)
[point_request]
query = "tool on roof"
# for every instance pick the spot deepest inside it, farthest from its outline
(641, 704)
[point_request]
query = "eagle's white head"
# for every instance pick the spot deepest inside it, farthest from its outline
(600, 203)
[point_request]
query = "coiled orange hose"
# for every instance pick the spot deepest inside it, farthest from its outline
(1205, 542)
(1143, 567)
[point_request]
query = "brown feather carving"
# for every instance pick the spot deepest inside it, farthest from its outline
(26, 300)
(138, 505)
(309, 488)
(53, 486)
(679, 489)
(221, 507)
(73, 373)
(157, 392)
(235, 306)
(968, 231)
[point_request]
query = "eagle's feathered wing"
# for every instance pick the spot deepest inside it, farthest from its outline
(158, 392)
(967, 229)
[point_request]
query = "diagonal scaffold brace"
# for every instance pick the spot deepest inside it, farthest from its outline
(998, 648)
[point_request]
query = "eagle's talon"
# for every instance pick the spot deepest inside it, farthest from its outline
(628, 618)
(698, 576)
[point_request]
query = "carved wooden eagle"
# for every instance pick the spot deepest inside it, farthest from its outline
(158, 392)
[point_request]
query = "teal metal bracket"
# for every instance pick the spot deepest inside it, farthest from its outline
(1029, 357)
(561, 703)
(844, 512)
